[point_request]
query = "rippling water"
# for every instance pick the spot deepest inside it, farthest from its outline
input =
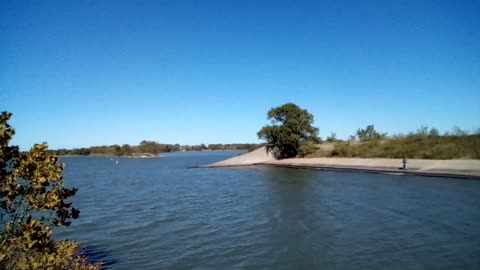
(161, 214)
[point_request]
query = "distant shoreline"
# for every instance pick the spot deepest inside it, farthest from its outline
(422, 167)
(144, 155)
(110, 156)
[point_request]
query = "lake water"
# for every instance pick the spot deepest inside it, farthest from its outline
(161, 214)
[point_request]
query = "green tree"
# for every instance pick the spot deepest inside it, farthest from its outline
(176, 147)
(434, 132)
(126, 150)
(33, 199)
(149, 147)
(369, 134)
(457, 131)
(332, 137)
(290, 131)
(117, 150)
(422, 131)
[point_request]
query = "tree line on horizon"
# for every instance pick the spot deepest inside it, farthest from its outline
(149, 147)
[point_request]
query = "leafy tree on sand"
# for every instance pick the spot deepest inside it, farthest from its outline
(33, 200)
(291, 132)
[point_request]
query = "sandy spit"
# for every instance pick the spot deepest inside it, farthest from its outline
(258, 156)
(449, 168)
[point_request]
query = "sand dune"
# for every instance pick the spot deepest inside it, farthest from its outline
(258, 156)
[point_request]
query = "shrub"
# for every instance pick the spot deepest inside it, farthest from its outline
(423, 146)
(306, 148)
(33, 200)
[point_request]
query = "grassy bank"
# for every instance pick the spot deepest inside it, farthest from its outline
(421, 146)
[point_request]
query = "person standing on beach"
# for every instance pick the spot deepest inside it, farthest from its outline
(404, 161)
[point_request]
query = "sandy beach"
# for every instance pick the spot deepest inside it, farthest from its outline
(448, 168)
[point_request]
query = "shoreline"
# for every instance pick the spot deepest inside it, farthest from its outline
(456, 168)
(377, 170)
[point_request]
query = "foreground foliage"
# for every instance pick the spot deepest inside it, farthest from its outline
(291, 132)
(33, 200)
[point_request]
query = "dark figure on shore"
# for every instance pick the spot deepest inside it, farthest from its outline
(404, 161)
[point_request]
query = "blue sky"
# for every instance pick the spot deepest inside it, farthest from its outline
(82, 73)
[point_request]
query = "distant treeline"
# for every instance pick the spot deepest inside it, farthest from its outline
(149, 147)
(423, 144)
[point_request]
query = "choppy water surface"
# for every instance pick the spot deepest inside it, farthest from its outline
(160, 214)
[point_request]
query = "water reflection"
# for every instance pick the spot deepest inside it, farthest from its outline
(298, 231)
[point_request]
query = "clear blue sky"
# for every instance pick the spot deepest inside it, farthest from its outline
(82, 73)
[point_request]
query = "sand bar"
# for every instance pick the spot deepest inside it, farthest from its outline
(447, 168)
(257, 156)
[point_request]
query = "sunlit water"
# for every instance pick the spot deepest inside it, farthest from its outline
(161, 214)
